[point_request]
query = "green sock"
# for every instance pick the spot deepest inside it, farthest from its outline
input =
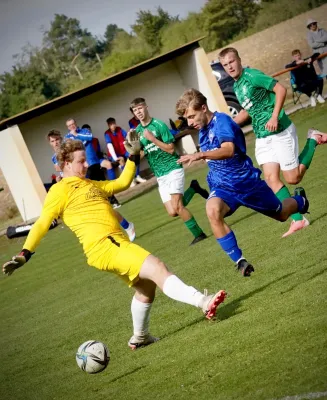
(193, 226)
(307, 153)
(188, 196)
(282, 194)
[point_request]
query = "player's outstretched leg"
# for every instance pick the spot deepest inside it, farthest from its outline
(198, 189)
(216, 210)
(155, 273)
(298, 203)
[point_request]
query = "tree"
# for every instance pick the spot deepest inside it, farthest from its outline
(149, 26)
(181, 32)
(110, 34)
(225, 19)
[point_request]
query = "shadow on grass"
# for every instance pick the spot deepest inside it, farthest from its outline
(318, 218)
(230, 309)
(126, 374)
(307, 279)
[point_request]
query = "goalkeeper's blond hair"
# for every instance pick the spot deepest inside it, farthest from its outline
(66, 151)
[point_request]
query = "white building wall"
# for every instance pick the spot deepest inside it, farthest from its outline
(160, 86)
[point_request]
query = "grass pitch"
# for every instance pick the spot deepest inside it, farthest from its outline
(270, 340)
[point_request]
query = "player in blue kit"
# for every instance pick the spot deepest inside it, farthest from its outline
(232, 178)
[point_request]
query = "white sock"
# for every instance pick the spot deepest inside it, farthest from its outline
(177, 290)
(141, 317)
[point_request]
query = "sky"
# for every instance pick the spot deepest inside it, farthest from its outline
(22, 21)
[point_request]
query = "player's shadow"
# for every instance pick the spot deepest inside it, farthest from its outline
(231, 309)
(318, 218)
(126, 374)
(247, 216)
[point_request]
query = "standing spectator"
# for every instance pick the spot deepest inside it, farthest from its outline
(133, 122)
(115, 137)
(55, 139)
(317, 39)
(305, 76)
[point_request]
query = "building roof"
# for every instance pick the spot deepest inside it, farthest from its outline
(104, 83)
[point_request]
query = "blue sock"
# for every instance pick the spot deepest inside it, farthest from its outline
(124, 224)
(300, 202)
(111, 174)
(230, 247)
(137, 170)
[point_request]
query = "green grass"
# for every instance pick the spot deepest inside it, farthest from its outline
(270, 341)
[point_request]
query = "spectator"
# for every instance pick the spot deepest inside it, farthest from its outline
(305, 76)
(115, 137)
(133, 122)
(317, 39)
(55, 139)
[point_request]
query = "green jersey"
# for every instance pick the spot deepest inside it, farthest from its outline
(160, 161)
(254, 91)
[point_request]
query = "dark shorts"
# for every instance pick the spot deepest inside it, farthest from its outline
(261, 199)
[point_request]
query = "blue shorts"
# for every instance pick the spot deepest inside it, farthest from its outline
(261, 199)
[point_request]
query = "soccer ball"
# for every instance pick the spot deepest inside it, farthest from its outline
(92, 356)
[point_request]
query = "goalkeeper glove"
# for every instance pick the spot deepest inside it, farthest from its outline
(16, 262)
(133, 144)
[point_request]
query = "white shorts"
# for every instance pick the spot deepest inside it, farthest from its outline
(172, 183)
(282, 148)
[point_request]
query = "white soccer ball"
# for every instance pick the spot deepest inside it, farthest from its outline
(92, 356)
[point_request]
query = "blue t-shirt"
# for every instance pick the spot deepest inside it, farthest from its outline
(233, 174)
(55, 162)
(85, 136)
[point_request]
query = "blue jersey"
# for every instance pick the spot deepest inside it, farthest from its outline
(85, 136)
(55, 162)
(233, 174)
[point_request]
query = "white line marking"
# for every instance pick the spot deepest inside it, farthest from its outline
(306, 396)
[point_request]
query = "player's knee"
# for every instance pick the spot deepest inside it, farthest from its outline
(293, 180)
(214, 214)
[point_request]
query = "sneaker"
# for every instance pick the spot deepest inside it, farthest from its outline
(199, 238)
(116, 205)
(299, 191)
(198, 189)
(244, 267)
(136, 342)
(131, 232)
(296, 226)
(133, 183)
(211, 303)
(139, 179)
(320, 99)
(319, 137)
(313, 101)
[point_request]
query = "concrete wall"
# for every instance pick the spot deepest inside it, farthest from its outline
(161, 87)
(21, 174)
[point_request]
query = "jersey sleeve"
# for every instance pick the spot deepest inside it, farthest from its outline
(84, 135)
(259, 79)
(165, 133)
(124, 133)
(107, 138)
(120, 184)
(53, 207)
(224, 129)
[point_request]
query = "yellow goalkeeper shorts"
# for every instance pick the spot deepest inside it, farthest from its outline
(118, 255)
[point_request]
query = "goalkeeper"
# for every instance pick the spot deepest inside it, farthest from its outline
(82, 204)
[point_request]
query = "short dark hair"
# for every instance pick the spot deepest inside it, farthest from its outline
(86, 126)
(111, 121)
(136, 102)
(190, 98)
(296, 51)
(66, 151)
(55, 134)
(224, 52)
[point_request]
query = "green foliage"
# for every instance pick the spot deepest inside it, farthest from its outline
(111, 33)
(179, 33)
(223, 19)
(148, 26)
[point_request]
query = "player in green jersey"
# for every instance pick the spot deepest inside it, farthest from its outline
(157, 144)
(276, 149)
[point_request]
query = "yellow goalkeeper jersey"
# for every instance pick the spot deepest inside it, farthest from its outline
(83, 206)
